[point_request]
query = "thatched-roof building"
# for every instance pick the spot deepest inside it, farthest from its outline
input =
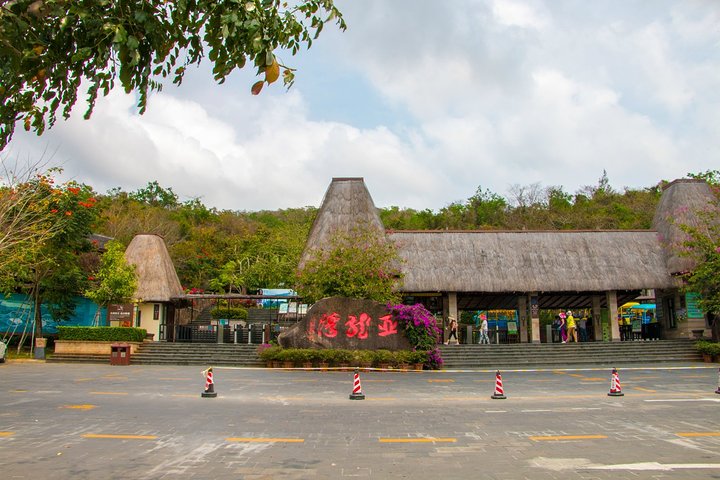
(531, 270)
(158, 283)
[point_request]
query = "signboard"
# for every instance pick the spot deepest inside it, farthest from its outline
(350, 323)
(693, 309)
(120, 314)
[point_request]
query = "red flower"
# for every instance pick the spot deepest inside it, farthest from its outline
(68, 213)
(54, 210)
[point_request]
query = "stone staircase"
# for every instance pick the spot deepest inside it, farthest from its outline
(556, 355)
(208, 354)
(455, 356)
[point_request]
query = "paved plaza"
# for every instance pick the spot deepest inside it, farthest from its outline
(67, 421)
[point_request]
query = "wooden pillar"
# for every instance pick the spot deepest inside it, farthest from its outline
(597, 323)
(522, 318)
(534, 317)
(613, 314)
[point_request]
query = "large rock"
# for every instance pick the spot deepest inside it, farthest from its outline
(352, 323)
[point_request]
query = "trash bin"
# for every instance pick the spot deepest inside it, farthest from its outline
(119, 354)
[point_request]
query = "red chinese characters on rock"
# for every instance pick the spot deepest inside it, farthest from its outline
(387, 327)
(356, 326)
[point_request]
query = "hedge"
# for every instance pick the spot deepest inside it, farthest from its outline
(233, 313)
(341, 356)
(102, 334)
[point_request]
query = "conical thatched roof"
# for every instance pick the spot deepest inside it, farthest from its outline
(523, 261)
(157, 279)
(347, 205)
(680, 203)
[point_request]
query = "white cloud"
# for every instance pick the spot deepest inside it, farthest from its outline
(476, 93)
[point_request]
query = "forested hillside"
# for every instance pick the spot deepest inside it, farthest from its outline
(240, 251)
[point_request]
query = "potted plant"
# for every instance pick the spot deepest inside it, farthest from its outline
(363, 358)
(305, 357)
(418, 359)
(383, 358)
(402, 360)
(268, 354)
(287, 357)
(707, 349)
(324, 359)
(343, 358)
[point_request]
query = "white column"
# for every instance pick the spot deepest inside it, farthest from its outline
(534, 317)
(613, 313)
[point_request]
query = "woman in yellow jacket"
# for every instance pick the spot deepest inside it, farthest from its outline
(572, 330)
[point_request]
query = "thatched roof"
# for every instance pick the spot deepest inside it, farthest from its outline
(680, 203)
(157, 279)
(523, 261)
(347, 204)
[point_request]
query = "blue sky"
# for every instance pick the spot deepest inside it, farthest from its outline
(427, 101)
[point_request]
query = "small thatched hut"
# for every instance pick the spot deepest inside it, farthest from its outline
(531, 270)
(158, 283)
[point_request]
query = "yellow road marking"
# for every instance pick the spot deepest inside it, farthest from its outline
(644, 389)
(692, 376)
(698, 434)
(576, 375)
(559, 372)
(594, 379)
(18, 391)
(115, 377)
(441, 380)
(83, 379)
(108, 393)
(542, 380)
(264, 440)
(567, 437)
(6, 434)
(79, 407)
(186, 395)
(121, 437)
(417, 440)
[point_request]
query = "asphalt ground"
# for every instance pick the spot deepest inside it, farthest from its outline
(62, 421)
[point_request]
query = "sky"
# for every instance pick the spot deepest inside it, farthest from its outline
(428, 101)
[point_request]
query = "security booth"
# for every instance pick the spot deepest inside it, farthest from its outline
(119, 354)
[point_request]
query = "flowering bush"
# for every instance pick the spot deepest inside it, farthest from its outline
(421, 330)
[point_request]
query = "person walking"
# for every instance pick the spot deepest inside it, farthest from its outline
(562, 328)
(453, 330)
(572, 327)
(484, 330)
(582, 326)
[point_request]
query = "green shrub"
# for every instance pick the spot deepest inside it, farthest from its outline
(232, 313)
(102, 334)
(343, 357)
(383, 356)
(270, 354)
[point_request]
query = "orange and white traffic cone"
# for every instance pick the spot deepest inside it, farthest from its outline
(357, 389)
(209, 384)
(718, 390)
(615, 390)
(499, 392)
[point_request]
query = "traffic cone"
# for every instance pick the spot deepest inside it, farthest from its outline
(499, 393)
(209, 384)
(615, 390)
(357, 389)
(718, 390)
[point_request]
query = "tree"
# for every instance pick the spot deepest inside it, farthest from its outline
(49, 47)
(360, 263)
(703, 246)
(50, 270)
(25, 218)
(116, 279)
